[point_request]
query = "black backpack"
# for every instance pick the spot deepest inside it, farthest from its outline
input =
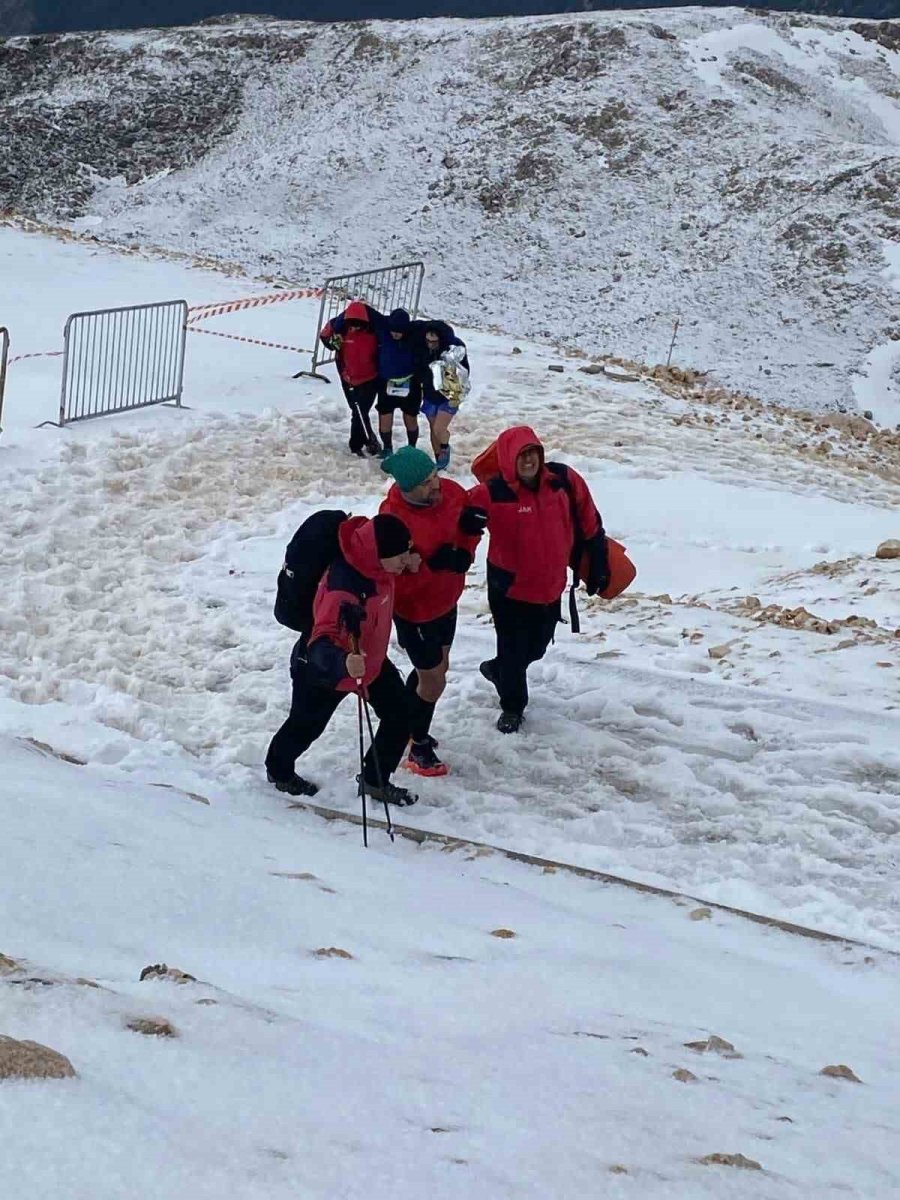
(309, 554)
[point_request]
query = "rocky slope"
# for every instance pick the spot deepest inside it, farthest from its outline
(587, 178)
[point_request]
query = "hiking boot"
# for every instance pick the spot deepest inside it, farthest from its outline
(509, 722)
(295, 786)
(389, 793)
(422, 759)
(489, 670)
(442, 460)
(373, 448)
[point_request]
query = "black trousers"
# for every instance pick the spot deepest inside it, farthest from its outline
(312, 707)
(524, 631)
(360, 400)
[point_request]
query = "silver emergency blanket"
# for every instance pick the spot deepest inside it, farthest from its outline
(450, 377)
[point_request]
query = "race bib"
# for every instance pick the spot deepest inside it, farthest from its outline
(399, 387)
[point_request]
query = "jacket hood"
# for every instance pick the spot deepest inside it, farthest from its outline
(357, 311)
(356, 537)
(510, 445)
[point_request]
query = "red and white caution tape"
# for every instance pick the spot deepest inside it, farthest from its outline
(202, 311)
(38, 354)
(236, 337)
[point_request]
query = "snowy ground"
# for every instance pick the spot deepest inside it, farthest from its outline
(138, 629)
(439, 1060)
(137, 565)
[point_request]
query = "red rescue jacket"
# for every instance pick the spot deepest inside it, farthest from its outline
(532, 533)
(428, 594)
(357, 359)
(356, 578)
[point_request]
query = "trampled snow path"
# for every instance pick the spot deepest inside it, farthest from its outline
(138, 575)
(137, 562)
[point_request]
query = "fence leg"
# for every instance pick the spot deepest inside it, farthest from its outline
(4, 354)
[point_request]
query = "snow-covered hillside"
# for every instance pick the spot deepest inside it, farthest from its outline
(588, 179)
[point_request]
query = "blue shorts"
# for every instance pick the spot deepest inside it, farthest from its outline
(431, 408)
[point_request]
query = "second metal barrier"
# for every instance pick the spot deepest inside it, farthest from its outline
(383, 288)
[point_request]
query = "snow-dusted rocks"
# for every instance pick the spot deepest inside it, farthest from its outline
(164, 971)
(31, 1060)
(152, 1027)
(613, 171)
(714, 1045)
(730, 1160)
(683, 1075)
(889, 549)
(841, 1071)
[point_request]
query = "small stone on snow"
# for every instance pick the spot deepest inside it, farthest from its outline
(153, 1027)
(730, 1160)
(840, 1071)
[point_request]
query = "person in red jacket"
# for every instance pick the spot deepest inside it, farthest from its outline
(351, 335)
(445, 531)
(539, 515)
(356, 594)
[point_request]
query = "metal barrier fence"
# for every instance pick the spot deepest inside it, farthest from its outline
(4, 355)
(117, 359)
(384, 288)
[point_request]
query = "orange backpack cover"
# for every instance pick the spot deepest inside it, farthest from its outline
(487, 464)
(622, 571)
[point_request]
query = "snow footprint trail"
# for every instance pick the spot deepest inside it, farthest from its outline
(759, 801)
(138, 579)
(92, 554)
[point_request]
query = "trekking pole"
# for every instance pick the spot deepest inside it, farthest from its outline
(351, 620)
(354, 646)
(362, 777)
(378, 775)
(365, 423)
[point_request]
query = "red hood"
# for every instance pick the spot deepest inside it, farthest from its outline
(357, 311)
(510, 445)
(356, 537)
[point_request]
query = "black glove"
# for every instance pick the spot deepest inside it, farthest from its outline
(473, 520)
(351, 617)
(450, 558)
(598, 575)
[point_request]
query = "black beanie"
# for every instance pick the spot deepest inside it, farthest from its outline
(399, 321)
(391, 535)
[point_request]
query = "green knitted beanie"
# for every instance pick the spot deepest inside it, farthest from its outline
(410, 466)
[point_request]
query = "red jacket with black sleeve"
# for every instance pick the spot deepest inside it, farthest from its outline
(533, 533)
(432, 591)
(355, 579)
(357, 358)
